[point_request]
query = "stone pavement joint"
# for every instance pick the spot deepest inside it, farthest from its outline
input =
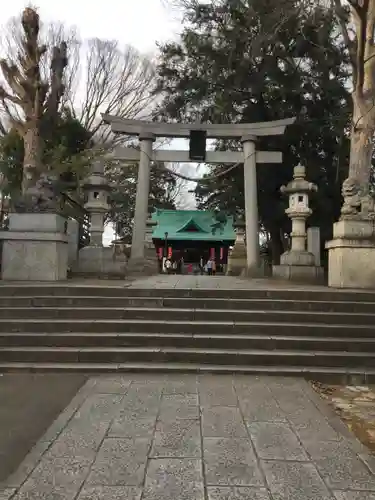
(195, 437)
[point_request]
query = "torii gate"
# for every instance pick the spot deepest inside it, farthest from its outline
(147, 133)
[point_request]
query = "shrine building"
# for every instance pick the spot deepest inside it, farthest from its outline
(192, 234)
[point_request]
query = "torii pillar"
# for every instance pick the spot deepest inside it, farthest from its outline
(251, 204)
(141, 202)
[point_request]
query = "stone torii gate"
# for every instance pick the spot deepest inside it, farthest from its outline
(147, 132)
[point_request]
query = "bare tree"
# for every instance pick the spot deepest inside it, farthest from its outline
(36, 99)
(99, 78)
(115, 81)
(357, 21)
(50, 35)
(178, 192)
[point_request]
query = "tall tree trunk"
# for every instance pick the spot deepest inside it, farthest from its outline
(361, 151)
(276, 245)
(32, 158)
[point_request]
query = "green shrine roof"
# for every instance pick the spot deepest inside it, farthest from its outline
(191, 225)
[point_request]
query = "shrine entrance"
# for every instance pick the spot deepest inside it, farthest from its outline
(192, 235)
(147, 132)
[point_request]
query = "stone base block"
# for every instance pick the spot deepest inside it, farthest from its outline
(235, 267)
(353, 229)
(297, 258)
(143, 267)
(299, 274)
(351, 263)
(35, 248)
(100, 262)
(254, 272)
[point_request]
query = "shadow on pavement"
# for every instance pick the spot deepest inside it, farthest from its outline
(29, 403)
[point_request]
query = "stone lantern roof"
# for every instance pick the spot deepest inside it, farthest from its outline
(97, 179)
(299, 184)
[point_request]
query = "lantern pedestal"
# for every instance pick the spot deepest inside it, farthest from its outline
(237, 260)
(101, 263)
(299, 274)
(147, 265)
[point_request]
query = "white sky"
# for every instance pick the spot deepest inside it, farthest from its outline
(137, 22)
(140, 23)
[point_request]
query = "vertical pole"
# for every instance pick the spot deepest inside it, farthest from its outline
(141, 201)
(251, 203)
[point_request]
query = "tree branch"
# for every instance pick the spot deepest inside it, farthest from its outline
(342, 19)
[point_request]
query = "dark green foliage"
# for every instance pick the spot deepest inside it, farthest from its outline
(163, 190)
(256, 60)
(67, 139)
(11, 162)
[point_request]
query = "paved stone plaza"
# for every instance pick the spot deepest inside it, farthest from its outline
(187, 437)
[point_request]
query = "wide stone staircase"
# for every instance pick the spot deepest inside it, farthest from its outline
(315, 333)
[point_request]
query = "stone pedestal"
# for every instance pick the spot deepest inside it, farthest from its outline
(35, 248)
(351, 254)
(298, 266)
(148, 264)
(237, 260)
(145, 266)
(299, 274)
(101, 263)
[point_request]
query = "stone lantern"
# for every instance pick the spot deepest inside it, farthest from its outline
(237, 260)
(96, 260)
(298, 264)
(97, 188)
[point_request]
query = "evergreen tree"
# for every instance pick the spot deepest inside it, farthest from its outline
(249, 61)
(163, 191)
(65, 142)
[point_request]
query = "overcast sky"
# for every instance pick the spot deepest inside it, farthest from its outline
(137, 22)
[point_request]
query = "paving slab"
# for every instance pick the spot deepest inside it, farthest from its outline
(202, 437)
(237, 493)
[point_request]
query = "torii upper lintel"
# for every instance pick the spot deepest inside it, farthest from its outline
(214, 131)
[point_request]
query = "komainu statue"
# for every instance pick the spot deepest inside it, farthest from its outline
(40, 197)
(357, 204)
(351, 192)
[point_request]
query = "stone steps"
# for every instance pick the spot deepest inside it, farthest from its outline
(189, 315)
(213, 304)
(243, 357)
(194, 328)
(341, 375)
(186, 340)
(125, 291)
(314, 333)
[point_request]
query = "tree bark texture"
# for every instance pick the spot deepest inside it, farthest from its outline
(32, 157)
(361, 151)
(276, 245)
